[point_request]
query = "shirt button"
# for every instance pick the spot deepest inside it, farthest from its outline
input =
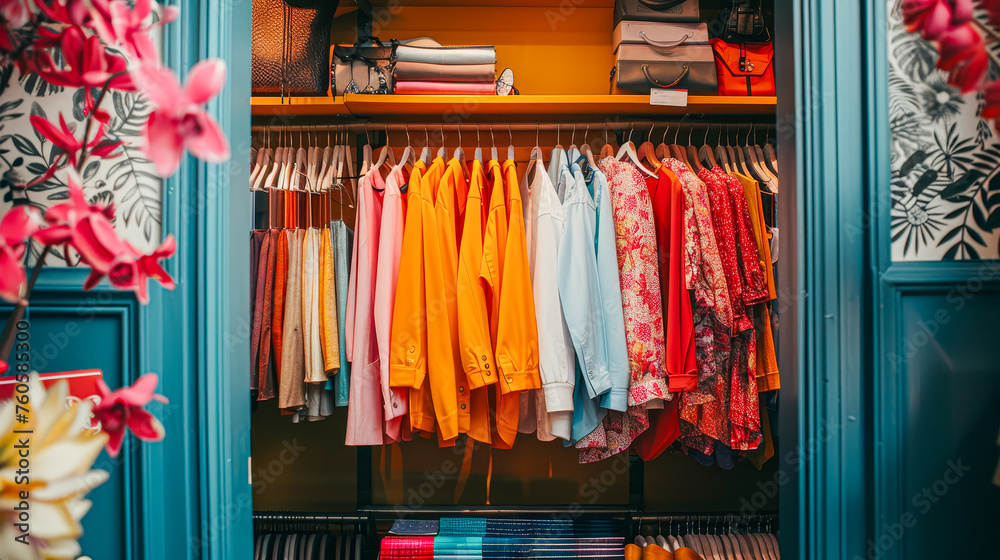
(463, 406)
(409, 362)
(484, 357)
(510, 380)
(591, 373)
(413, 348)
(487, 366)
(395, 405)
(488, 374)
(461, 389)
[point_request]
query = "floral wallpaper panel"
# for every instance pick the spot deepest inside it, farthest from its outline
(945, 188)
(127, 179)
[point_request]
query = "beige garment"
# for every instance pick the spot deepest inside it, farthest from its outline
(328, 306)
(291, 393)
(312, 343)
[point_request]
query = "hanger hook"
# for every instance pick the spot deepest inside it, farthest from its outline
(586, 134)
(509, 133)
(407, 129)
(572, 138)
(367, 136)
(690, 133)
(558, 141)
(479, 141)
(676, 132)
(459, 129)
(750, 130)
(536, 134)
(649, 137)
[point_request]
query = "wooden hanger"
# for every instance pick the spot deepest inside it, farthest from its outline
(705, 153)
(676, 151)
(606, 150)
(663, 150)
(648, 154)
(692, 154)
(586, 149)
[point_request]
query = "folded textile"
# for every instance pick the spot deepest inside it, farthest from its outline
(422, 87)
(445, 72)
(446, 55)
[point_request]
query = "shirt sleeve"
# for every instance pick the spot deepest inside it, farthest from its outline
(407, 349)
(556, 360)
(579, 284)
(394, 400)
(517, 336)
(476, 347)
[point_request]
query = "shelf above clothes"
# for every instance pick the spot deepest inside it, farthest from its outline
(456, 108)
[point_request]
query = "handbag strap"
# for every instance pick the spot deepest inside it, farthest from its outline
(661, 4)
(655, 82)
(665, 44)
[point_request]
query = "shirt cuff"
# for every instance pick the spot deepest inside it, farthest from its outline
(616, 399)
(685, 382)
(397, 405)
(406, 376)
(558, 397)
(598, 382)
(481, 378)
(516, 381)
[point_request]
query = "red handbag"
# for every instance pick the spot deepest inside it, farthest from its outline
(744, 68)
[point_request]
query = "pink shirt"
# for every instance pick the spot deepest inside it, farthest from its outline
(364, 411)
(395, 400)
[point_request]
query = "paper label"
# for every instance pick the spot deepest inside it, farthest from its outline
(668, 97)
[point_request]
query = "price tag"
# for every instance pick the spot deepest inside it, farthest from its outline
(668, 97)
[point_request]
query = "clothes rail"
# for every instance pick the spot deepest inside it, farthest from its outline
(284, 516)
(499, 128)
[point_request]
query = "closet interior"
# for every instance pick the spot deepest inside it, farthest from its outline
(322, 486)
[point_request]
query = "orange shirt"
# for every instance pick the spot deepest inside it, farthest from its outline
(510, 301)
(408, 346)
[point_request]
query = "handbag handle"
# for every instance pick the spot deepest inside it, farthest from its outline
(665, 44)
(661, 4)
(655, 82)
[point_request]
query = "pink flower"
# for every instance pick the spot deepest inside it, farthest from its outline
(931, 17)
(964, 57)
(15, 13)
(128, 26)
(65, 138)
(122, 410)
(992, 8)
(86, 63)
(180, 119)
(16, 227)
(87, 229)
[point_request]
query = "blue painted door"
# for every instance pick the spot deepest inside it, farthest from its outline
(936, 288)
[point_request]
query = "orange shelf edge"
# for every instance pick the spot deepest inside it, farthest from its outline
(458, 107)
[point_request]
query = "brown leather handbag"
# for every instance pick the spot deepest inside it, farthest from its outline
(744, 68)
(290, 51)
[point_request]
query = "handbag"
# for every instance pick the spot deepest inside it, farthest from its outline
(363, 67)
(744, 68)
(745, 23)
(641, 67)
(290, 49)
(657, 10)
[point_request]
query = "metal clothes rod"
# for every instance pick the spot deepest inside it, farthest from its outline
(307, 517)
(498, 128)
(706, 518)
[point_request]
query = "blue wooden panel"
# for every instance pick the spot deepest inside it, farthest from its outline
(950, 417)
(68, 331)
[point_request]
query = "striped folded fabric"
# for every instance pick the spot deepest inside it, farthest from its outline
(420, 87)
(469, 73)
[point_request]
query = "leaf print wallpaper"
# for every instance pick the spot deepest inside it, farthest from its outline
(128, 179)
(945, 187)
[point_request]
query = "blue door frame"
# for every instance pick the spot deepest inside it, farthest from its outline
(191, 495)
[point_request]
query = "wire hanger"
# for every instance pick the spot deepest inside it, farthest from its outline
(692, 153)
(663, 150)
(510, 147)
(705, 153)
(586, 150)
(425, 153)
(442, 151)
(647, 153)
(479, 145)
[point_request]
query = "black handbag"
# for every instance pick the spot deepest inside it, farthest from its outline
(291, 46)
(745, 23)
(363, 68)
(657, 10)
